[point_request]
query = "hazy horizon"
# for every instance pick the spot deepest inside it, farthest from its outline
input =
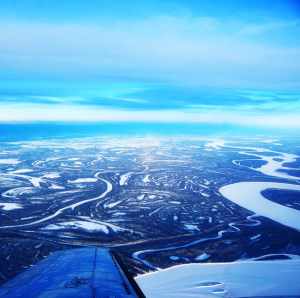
(178, 62)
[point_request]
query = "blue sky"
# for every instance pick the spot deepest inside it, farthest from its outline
(225, 43)
(235, 62)
(92, 12)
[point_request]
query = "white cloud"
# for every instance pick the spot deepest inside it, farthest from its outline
(194, 50)
(73, 113)
(258, 29)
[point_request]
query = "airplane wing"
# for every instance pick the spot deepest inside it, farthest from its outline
(84, 272)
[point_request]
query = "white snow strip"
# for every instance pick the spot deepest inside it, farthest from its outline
(273, 163)
(174, 258)
(215, 144)
(21, 171)
(55, 186)
(124, 178)
(109, 188)
(112, 204)
(10, 206)
(35, 181)
(255, 237)
(249, 195)
(83, 225)
(273, 166)
(51, 175)
(9, 161)
(146, 179)
(191, 227)
(111, 226)
(18, 191)
(202, 257)
(140, 197)
(83, 180)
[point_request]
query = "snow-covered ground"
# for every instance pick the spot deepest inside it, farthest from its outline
(109, 188)
(237, 279)
(249, 194)
(85, 225)
(172, 192)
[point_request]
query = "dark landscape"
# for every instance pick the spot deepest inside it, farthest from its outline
(155, 201)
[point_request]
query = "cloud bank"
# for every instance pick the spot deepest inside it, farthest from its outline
(247, 54)
(73, 113)
(194, 50)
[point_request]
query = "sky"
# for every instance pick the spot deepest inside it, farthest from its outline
(232, 62)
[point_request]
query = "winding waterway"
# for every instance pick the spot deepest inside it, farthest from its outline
(248, 194)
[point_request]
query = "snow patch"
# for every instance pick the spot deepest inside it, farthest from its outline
(191, 227)
(174, 258)
(10, 206)
(9, 161)
(146, 179)
(113, 204)
(124, 178)
(237, 279)
(249, 195)
(51, 175)
(21, 171)
(215, 144)
(202, 257)
(83, 225)
(83, 180)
